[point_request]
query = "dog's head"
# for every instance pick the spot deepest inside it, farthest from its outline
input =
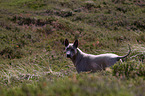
(71, 49)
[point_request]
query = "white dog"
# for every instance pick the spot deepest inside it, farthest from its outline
(88, 62)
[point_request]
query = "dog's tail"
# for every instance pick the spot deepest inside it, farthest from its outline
(121, 57)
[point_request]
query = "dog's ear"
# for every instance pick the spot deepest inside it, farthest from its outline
(66, 43)
(75, 44)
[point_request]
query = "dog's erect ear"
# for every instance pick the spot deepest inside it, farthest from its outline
(75, 44)
(66, 43)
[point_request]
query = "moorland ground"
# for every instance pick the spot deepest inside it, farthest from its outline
(32, 55)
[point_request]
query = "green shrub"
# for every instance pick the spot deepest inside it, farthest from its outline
(129, 69)
(11, 52)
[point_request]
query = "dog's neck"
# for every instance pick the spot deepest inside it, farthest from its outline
(77, 57)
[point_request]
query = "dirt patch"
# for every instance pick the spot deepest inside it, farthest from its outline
(28, 21)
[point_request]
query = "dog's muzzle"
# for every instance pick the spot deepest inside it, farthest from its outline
(68, 55)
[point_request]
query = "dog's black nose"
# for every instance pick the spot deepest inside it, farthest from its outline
(68, 55)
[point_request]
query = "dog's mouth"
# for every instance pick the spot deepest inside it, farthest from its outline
(68, 56)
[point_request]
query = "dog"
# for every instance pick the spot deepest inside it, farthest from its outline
(87, 62)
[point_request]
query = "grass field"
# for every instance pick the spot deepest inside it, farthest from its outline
(32, 51)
